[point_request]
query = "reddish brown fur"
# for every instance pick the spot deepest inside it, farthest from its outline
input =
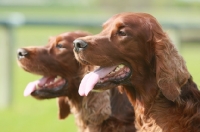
(98, 112)
(163, 94)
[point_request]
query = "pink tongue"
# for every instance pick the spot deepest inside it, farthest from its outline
(32, 86)
(92, 78)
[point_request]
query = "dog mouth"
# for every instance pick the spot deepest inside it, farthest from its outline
(104, 76)
(46, 87)
(119, 74)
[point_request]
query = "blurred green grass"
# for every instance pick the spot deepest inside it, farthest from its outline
(28, 114)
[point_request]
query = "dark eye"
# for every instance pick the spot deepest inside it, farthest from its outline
(121, 33)
(59, 46)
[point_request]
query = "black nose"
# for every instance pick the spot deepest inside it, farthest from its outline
(21, 53)
(79, 45)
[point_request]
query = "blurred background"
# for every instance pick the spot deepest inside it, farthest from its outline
(27, 23)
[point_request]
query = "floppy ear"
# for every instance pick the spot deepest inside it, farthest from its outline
(171, 70)
(64, 108)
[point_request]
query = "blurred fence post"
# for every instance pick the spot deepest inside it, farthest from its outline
(7, 51)
(6, 68)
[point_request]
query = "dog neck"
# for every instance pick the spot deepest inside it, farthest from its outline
(150, 106)
(88, 114)
(142, 93)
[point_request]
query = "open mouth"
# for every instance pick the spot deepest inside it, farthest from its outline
(103, 76)
(46, 84)
(119, 74)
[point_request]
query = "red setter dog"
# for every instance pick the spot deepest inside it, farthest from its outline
(107, 111)
(133, 51)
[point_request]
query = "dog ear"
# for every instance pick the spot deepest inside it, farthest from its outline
(171, 70)
(64, 108)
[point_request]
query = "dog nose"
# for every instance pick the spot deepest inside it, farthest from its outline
(79, 45)
(22, 53)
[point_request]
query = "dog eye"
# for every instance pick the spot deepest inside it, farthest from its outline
(59, 46)
(121, 33)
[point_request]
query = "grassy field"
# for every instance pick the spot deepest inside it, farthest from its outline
(28, 114)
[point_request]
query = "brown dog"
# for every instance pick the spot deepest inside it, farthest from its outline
(135, 52)
(107, 111)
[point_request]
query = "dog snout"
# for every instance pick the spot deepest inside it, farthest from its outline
(22, 53)
(79, 45)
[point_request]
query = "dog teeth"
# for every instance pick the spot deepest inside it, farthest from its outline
(117, 69)
(57, 78)
(121, 66)
(37, 87)
(111, 72)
